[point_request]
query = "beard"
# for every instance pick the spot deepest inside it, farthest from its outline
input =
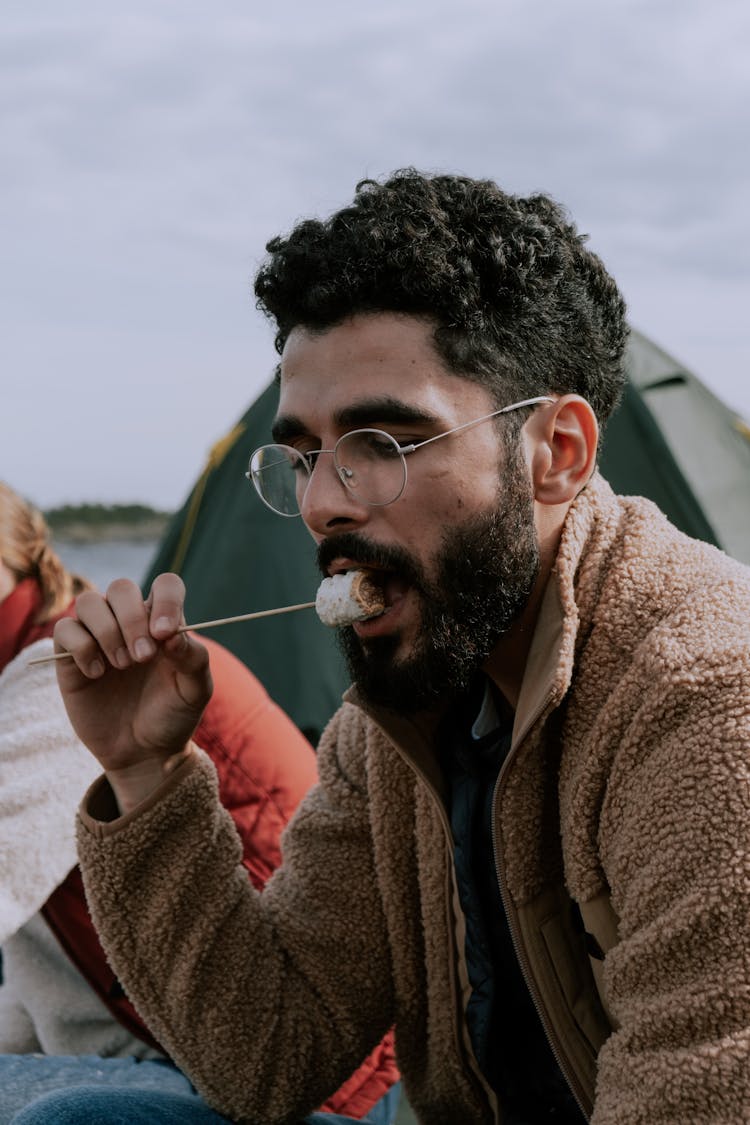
(478, 583)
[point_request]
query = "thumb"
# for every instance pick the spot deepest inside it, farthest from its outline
(192, 671)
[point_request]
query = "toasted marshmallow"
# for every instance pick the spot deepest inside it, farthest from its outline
(348, 597)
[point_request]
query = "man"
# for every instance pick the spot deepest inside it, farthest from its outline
(528, 847)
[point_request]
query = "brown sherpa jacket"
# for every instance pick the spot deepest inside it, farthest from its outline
(626, 791)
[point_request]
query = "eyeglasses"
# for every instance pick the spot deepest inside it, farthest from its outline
(370, 464)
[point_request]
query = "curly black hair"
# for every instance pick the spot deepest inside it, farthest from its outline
(518, 302)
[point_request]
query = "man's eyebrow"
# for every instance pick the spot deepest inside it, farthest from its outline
(286, 427)
(384, 410)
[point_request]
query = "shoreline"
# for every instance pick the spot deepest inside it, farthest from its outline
(116, 531)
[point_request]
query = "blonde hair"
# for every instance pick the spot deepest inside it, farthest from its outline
(26, 551)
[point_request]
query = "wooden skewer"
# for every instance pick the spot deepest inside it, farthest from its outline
(246, 616)
(200, 625)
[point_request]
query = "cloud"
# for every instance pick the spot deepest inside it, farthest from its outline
(152, 149)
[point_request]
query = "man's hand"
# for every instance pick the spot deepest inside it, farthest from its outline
(135, 688)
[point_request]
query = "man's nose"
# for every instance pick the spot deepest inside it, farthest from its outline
(327, 503)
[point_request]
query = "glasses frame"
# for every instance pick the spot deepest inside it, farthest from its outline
(411, 447)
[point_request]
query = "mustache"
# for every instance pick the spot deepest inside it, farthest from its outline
(352, 545)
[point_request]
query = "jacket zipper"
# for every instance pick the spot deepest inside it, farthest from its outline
(518, 949)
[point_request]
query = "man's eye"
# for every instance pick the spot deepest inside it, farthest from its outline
(380, 445)
(299, 460)
(307, 451)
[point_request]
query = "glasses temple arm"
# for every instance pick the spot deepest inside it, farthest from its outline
(475, 422)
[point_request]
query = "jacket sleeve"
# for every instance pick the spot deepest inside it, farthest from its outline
(44, 770)
(291, 987)
(675, 836)
(264, 764)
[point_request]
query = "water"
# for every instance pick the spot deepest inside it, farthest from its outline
(105, 560)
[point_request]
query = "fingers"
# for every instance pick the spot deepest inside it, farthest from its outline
(71, 637)
(119, 629)
(119, 623)
(166, 602)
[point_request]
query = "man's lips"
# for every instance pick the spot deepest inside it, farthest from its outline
(395, 615)
(342, 565)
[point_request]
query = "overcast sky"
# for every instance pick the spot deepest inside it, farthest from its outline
(149, 150)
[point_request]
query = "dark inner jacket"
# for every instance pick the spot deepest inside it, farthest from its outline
(509, 1041)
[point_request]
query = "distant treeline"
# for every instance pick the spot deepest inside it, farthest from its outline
(98, 521)
(101, 513)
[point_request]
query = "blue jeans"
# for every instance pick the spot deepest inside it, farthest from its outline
(88, 1090)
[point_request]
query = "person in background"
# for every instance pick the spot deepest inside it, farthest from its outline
(43, 765)
(59, 998)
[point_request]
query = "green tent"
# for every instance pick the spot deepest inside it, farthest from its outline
(671, 440)
(236, 556)
(675, 442)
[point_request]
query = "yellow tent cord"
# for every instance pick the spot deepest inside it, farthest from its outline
(216, 455)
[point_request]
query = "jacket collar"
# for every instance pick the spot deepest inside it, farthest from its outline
(18, 615)
(20, 623)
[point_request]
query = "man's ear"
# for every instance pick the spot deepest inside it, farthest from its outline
(564, 438)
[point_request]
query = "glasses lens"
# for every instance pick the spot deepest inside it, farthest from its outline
(371, 466)
(280, 476)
